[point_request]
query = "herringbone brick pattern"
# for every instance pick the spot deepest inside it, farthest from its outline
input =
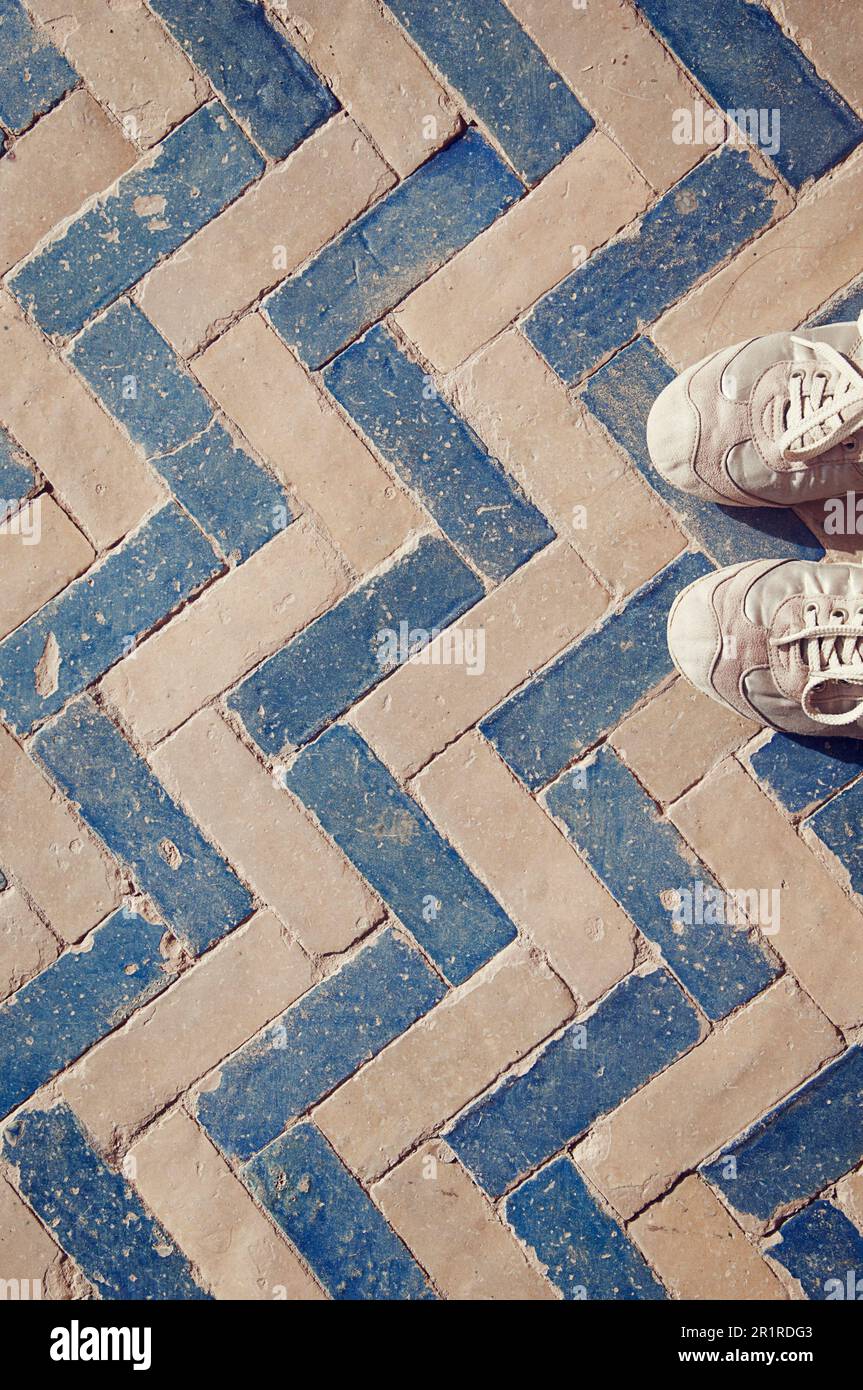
(380, 918)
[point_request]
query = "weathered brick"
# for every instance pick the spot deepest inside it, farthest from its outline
(199, 895)
(127, 61)
(94, 469)
(831, 36)
(76, 636)
(699, 1251)
(594, 1065)
(539, 879)
(723, 202)
(836, 827)
(503, 76)
(425, 1076)
(332, 1221)
(75, 151)
(149, 212)
(545, 725)
(523, 413)
(474, 501)
(807, 1142)
(730, 1079)
(265, 235)
(262, 831)
(27, 1252)
(585, 1252)
(17, 474)
(800, 772)
(392, 247)
(589, 196)
(26, 944)
(638, 108)
(344, 653)
(189, 1187)
(84, 994)
(377, 76)
(64, 870)
(823, 1251)
(118, 1245)
(232, 626)
(169, 1043)
(33, 75)
(798, 263)
(646, 864)
(422, 707)
(820, 932)
(849, 1196)
(454, 1230)
(393, 843)
(34, 571)
(341, 1023)
(261, 386)
(263, 79)
(748, 62)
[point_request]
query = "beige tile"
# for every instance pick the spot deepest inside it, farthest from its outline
(534, 872)
(376, 74)
(830, 33)
(261, 386)
(241, 619)
(699, 1252)
(63, 868)
(73, 152)
(710, 1095)
(588, 197)
(96, 473)
(618, 68)
(35, 570)
(127, 60)
(849, 1195)
(189, 1187)
(265, 235)
(678, 736)
(26, 945)
(428, 1073)
(821, 931)
(566, 463)
(245, 981)
(266, 835)
(454, 1231)
(520, 626)
(27, 1252)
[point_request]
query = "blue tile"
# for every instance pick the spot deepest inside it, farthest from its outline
(844, 307)
(335, 660)
(392, 248)
(472, 498)
(394, 844)
(95, 619)
(620, 395)
(60, 1013)
(745, 61)
(17, 478)
(550, 721)
(822, 1249)
(33, 74)
(191, 885)
(184, 182)
(802, 771)
(837, 825)
(260, 75)
(694, 226)
(641, 859)
(586, 1253)
(92, 1212)
(332, 1030)
(634, 1033)
(337, 1228)
(483, 52)
(800, 1147)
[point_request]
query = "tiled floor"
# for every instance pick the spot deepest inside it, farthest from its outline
(370, 922)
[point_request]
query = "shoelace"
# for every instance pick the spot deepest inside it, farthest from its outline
(832, 651)
(829, 411)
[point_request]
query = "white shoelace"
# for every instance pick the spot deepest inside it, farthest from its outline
(833, 652)
(829, 411)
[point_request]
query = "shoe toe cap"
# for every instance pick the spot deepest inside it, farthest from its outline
(693, 633)
(672, 435)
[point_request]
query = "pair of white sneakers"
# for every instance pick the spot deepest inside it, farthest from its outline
(775, 421)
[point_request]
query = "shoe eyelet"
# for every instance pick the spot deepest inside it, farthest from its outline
(839, 615)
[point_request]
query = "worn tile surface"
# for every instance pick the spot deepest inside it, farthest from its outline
(381, 918)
